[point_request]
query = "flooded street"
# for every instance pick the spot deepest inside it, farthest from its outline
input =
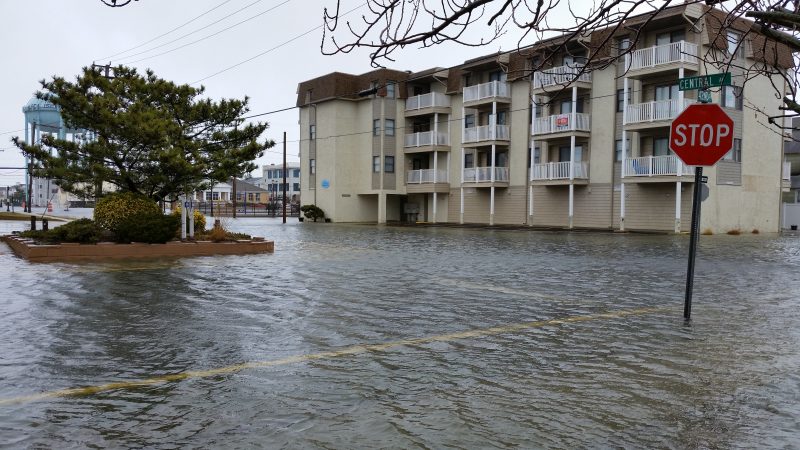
(493, 339)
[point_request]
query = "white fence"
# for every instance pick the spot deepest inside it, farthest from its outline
(561, 122)
(648, 166)
(486, 90)
(426, 176)
(674, 52)
(430, 100)
(484, 174)
(559, 170)
(657, 110)
(426, 138)
(560, 75)
(486, 133)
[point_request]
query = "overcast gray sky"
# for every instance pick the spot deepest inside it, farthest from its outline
(42, 38)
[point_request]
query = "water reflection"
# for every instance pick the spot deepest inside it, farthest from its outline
(728, 380)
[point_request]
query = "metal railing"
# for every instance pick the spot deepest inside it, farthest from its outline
(559, 170)
(486, 90)
(422, 176)
(681, 51)
(561, 122)
(656, 110)
(426, 138)
(429, 100)
(649, 166)
(484, 174)
(560, 75)
(485, 133)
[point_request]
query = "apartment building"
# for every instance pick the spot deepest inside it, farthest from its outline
(537, 137)
(272, 180)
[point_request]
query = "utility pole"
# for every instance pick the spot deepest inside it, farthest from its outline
(106, 68)
(284, 177)
(8, 199)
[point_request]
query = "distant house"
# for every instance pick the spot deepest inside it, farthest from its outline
(250, 193)
(223, 193)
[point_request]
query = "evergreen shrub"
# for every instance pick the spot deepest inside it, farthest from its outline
(148, 227)
(115, 209)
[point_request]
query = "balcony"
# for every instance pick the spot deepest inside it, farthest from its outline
(491, 91)
(485, 133)
(559, 171)
(427, 104)
(656, 166)
(659, 57)
(423, 176)
(484, 175)
(426, 141)
(561, 123)
(560, 76)
(649, 112)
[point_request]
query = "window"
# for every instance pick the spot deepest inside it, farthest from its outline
(391, 89)
(469, 121)
(623, 45)
(297, 173)
(618, 149)
(736, 152)
(497, 76)
(735, 44)
(469, 161)
(215, 195)
(537, 155)
(376, 127)
(661, 146)
(388, 164)
(208, 195)
(539, 109)
(312, 166)
(731, 97)
(389, 131)
(376, 164)
(250, 196)
(312, 132)
(295, 187)
(566, 106)
(621, 100)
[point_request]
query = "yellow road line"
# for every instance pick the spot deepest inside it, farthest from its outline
(347, 351)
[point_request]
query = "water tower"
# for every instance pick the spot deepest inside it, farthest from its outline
(41, 117)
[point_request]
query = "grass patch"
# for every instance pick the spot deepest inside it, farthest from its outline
(7, 215)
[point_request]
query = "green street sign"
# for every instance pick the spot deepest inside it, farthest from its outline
(704, 81)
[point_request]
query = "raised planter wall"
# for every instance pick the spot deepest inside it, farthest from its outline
(27, 249)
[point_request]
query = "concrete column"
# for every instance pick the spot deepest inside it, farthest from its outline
(461, 210)
(381, 207)
(624, 155)
(491, 206)
(435, 180)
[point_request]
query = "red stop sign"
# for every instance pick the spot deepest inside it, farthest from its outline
(701, 134)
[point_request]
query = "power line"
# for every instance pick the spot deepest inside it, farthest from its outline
(271, 49)
(197, 30)
(165, 34)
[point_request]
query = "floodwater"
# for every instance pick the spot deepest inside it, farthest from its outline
(494, 339)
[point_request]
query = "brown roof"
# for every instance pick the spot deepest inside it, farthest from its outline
(347, 86)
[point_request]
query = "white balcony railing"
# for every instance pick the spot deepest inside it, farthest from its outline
(559, 170)
(426, 138)
(484, 174)
(559, 76)
(486, 90)
(650, 166)
(560, 123)
(485, 133)
(429, 100)
(787, 170)
(423, 176)
(674, 52)
(654, 111)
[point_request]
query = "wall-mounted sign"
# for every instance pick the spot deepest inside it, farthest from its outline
(326, 184)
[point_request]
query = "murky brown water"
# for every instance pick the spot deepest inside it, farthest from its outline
(731, 379)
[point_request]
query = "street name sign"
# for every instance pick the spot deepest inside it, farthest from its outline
(704, 81)
(701, 134)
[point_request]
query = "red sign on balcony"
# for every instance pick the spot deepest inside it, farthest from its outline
(562, 120)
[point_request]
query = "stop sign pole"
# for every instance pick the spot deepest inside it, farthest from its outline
(700, 136)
